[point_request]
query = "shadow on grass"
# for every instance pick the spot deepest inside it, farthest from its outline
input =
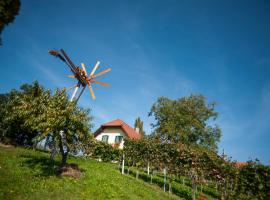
(41, 166)
(44, 166)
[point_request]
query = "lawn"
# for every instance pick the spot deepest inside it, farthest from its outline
(29, 174)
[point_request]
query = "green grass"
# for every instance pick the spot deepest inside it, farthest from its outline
(178, 188)
(29, 174)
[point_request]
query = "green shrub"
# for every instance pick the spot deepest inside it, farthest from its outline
(182, 191)
(103, 151)
(211, 191)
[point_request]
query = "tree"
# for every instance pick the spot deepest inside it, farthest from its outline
(8, 10)
(3, 103)
(48, 115)
(139, 124)
(186, 120)
(12, 125)
(253, 181)
(55, 116)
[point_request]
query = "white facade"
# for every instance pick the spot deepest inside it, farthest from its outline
(112, 133)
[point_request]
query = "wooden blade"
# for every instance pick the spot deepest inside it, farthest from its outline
(92, 92)
(101, 83)
(103, 72)
(56, 54)
(70, 87)
(95, 68)
(70, 63)
(84, 68)
(70, 76)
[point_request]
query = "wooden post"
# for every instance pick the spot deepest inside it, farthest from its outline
(137, 174)
(123, 164)
(164, 172)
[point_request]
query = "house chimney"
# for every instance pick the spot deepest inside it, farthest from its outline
(137, 129)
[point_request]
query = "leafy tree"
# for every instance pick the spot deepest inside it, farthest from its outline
(253, 182)
(13, 128)
(39, 114)
(139, 124)
(56, 116)
(186, 120)
(3, 103)
(8, 10)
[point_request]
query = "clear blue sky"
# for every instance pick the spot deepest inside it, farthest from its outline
(220, 49)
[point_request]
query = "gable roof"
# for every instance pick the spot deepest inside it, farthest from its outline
(240, 164)
(130, 132)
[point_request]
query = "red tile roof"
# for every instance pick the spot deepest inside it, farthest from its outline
(130, 132)
(240, 164)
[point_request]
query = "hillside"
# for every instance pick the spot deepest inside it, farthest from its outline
(29, 174)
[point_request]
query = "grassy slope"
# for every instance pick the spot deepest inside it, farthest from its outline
(28, 174)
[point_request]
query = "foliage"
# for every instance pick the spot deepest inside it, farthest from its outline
(203, 167)
(12, 125)
(3, 103)
(8, 10)
(102, 150)
(139, 124)
(38, 114)
(198, 163)
(253, 182)
(178, 189)
(29, 174)
(186, 120)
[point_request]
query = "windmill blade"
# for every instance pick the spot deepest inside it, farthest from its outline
(56, 54)
(82, 64)
(71, 64)
(70, 76)
(103, 72)
(101, 83)
(53, 52)
(92, 92)
(70, 87)
(95, 68)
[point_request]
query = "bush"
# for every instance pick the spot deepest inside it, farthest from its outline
(211, 191)
(182, 191)
(103, 151)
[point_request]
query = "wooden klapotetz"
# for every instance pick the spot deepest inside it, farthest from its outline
(80, 74)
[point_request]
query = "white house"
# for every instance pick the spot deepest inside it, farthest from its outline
(114, 132)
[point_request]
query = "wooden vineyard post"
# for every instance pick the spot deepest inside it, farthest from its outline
(123, 164)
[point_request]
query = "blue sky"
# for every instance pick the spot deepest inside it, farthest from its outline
(220, 49)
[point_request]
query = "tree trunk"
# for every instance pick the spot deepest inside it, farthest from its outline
(64, 159)
(151, 178)
(148, 168)
(63, 153)
(137, 174)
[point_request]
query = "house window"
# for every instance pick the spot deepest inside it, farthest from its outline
(118, 139)
(105, 138)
